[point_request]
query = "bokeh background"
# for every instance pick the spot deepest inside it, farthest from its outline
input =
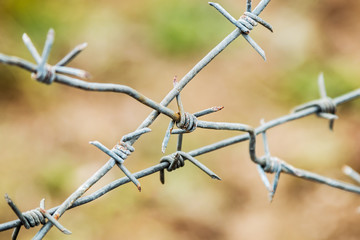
(45, 130)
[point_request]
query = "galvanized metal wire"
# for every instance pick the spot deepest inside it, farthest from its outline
(187, 123)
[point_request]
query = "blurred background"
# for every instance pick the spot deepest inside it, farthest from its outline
(45, 130)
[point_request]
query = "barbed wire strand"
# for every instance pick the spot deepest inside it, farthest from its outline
(325, 103)
(47, 74)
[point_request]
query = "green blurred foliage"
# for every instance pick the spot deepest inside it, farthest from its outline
(37, 16)
(184, 27)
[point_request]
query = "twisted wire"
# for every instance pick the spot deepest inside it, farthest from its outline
(123, 150)
(48, 76)
(247, 22)
(326, 105)
(188, 122)
(175, 161)
(254, 20)
(34, 218)
(273, 164)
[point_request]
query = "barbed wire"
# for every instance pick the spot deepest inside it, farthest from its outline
(187, 123)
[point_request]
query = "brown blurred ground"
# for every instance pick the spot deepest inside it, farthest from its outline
(45, 130)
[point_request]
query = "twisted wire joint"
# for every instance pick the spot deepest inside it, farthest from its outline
(326, 106)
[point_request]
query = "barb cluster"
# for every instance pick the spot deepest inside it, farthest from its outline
(246, 23)
(121, 151)
(33, 218)
(326, 106)
(177, 160)
(186, 123)
(46, 73)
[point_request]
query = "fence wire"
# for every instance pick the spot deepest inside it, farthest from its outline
(325, 107)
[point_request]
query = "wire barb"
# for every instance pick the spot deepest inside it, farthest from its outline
(272, 165)
(33, 217)
(187, 121)
(248, 5)
(51, 218)
(46, 73)
(122, 150)
(187, 124)
(133, 135)
(71, 55)
(176, 160)
(351, 173)
(326, 106)
(119, 153)
(246, 23)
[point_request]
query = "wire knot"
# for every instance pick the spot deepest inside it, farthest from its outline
(250, 20)
(188, 122)
(46, 75)
(245, 24)
(273, 164)
(33, 217)
(326, 105)
(175, 161)
(123, 149)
